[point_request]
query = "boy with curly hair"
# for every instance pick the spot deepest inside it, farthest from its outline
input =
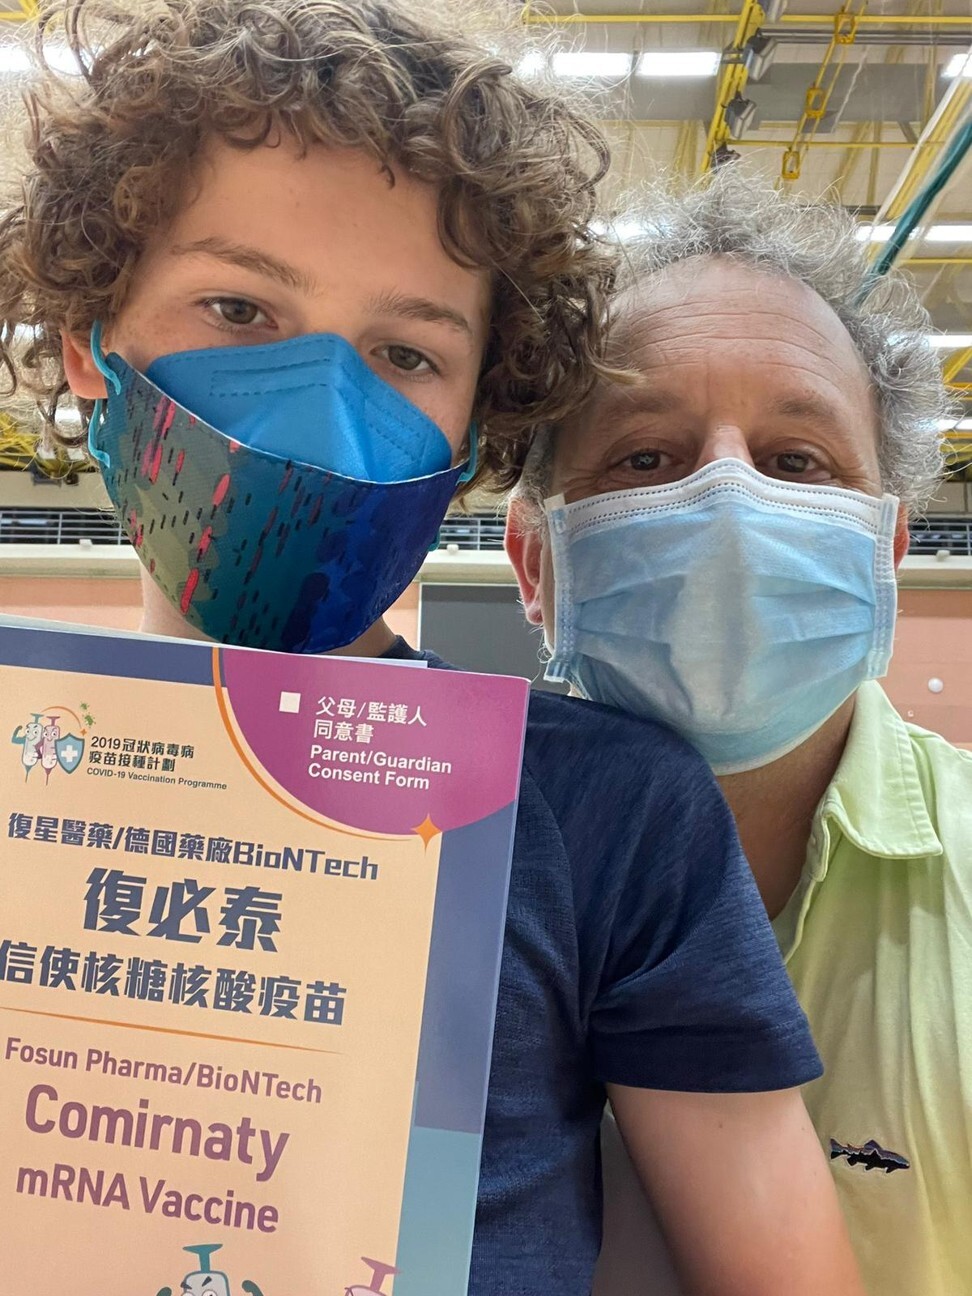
(299, 261)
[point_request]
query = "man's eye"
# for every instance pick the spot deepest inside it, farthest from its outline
(793, 462)
(407, 359)
(236, 311)
(644, 461)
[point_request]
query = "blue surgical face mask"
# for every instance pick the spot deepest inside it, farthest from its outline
(281, 496)
(739, 610)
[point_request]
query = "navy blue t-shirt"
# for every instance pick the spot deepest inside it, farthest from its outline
(637, 953)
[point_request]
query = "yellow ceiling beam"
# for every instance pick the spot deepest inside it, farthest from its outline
(732, 80)
(819, 143)
(870, 20)
(953, 367)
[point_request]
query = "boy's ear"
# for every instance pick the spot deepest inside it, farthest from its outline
(524, 548)
(84, 377)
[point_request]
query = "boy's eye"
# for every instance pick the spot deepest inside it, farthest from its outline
(236, 311)
(407, 359)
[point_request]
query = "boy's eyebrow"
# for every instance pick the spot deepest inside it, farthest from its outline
(248, 258)
(386, 303)
(419, 308)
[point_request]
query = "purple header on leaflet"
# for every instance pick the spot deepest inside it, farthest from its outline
(309, 738)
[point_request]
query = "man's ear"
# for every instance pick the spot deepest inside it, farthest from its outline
(524, 548)
(902, 537)
(83, 376)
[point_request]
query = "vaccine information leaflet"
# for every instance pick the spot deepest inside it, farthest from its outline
(251, 920)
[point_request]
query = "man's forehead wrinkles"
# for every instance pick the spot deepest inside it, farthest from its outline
(682, 324)
(820, 361)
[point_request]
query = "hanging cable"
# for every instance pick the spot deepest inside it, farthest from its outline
(913, 213)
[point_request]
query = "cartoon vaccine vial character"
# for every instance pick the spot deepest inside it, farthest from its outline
(29, 737)
(379, 1272)
(48, 747)
(207, 1281)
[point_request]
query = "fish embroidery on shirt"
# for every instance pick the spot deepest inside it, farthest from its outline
(872, 1156)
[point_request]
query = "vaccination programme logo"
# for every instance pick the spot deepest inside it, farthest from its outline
(52, 740)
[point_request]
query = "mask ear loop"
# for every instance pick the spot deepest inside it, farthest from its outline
(467, 474)
(472, 463)
(114, 383)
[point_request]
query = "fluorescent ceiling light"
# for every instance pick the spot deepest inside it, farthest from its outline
(874, 233)
(949, 234)
(951, 425)
(624, 230)
(583, 63)
(679, 63)
(950, 341)
(17, 59)
(934, 234)
(60, 58)
(959, 66)
(621, 230)
(532, 64)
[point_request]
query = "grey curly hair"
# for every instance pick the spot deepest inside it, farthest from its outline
(740, 217)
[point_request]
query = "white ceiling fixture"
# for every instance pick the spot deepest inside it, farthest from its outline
(951, 425)
(950, 341)
(532, 64)
(623, 229)
(17, 59)
(874, 233)
(679, 63)
(956, 233)
(960, 65)
(949, 234)
(584, 63)
(629, 228)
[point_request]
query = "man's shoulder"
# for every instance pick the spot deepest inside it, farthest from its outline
(945, 774)
(938, 757)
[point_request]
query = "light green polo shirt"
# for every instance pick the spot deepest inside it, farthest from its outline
(878, 941)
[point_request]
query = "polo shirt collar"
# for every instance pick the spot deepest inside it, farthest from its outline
(876, 796)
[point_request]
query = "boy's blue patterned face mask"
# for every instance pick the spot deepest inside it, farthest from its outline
(281, 496)
(739, 610)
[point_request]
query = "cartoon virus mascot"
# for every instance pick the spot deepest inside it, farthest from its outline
(379, 1272)
(207, 1281)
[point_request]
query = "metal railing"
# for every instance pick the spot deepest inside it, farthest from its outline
(938, 533)
(52, 526)
(477, 532)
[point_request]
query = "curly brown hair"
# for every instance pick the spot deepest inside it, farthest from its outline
(516, 165)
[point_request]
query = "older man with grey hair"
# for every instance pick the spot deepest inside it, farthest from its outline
(711, 541)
